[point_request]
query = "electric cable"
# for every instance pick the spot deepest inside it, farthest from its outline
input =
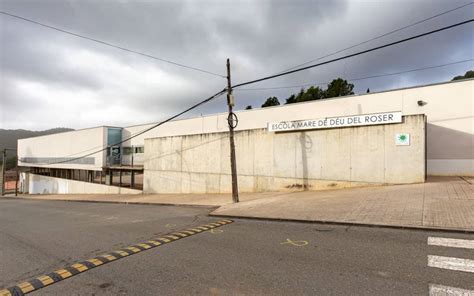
(380, 36)
(271, 77)
(141, 132)
(357, 79)
(355, 54)
(111, 44)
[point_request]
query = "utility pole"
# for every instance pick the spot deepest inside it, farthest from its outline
(230, 121)
(16, 180)
(4, 158)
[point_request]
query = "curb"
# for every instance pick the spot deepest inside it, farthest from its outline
(119, 202)
(407, 227)
(214, 207)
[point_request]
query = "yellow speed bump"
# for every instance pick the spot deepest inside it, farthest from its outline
(83, 266)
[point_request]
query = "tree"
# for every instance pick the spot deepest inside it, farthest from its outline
(249, 107)
(467, 75)
(299, 97)
(313, 93)
(10, 162)
(271, 101)
(291, 99)
(338, 88)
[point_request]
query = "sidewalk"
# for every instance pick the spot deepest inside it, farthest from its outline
(440, 203)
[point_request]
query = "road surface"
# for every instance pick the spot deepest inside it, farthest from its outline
(243, 258)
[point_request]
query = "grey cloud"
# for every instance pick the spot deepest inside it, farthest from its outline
(33, 58)
(260, 38)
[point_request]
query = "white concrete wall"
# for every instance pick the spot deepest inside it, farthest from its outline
(68, 144)
(449, 111)
(38, 184)
(313, 160)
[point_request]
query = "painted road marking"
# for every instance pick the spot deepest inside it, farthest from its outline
(439, 290)
(216, 231)
(451, 242)
(76, 268)
(451, 263)
(299, 243)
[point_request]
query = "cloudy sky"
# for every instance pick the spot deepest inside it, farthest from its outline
(51, 79)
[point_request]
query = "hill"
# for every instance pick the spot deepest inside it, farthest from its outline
(8, 139)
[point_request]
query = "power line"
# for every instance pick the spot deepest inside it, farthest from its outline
(279, 87)
(110, 44)
(247, 89)
(357, 79)
(143, 131)
(354, 54)
(380, 36)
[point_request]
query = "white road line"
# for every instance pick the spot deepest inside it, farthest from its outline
(451, 263)
(451, 242)
(439, 290)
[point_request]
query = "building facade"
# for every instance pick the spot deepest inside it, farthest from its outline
(449, 135)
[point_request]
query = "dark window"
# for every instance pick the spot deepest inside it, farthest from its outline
(127, 150)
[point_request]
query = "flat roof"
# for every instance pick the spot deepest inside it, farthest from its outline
(316, 101)
(75, 130)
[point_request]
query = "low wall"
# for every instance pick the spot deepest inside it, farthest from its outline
(308, 160)
(38, 184)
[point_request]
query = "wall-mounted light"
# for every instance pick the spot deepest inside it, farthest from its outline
(421, 103)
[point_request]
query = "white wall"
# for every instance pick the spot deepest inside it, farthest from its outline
(38, 184)
(267, 161)
(68, 144)
(449, 111)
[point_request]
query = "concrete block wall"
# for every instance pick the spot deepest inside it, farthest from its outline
(449, 108)
(302, 160)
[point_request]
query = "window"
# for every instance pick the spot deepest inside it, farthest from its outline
(114, 136)
(134, 150)
(127, 150)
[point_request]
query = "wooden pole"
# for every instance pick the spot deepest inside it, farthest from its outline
(16, 181)
(233, 164)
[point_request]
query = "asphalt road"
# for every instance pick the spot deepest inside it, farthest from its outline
(243, 258)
